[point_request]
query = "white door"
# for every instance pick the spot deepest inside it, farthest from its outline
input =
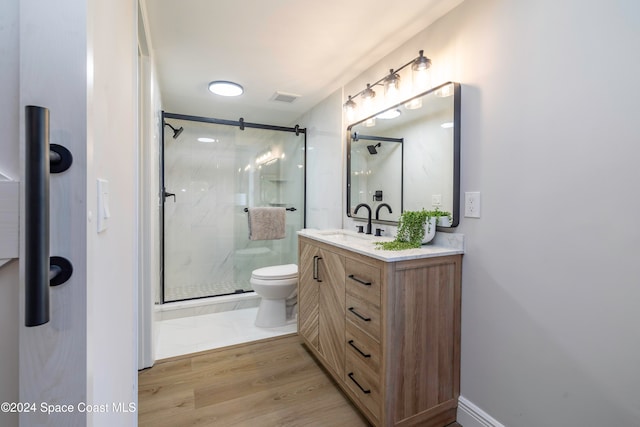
(42, 365)
(82, 362)
(53, 356)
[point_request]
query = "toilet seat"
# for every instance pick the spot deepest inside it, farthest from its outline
(276, 272)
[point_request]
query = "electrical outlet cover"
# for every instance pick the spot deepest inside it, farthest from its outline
(472, 204)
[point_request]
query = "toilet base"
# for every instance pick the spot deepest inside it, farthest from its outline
(271, 313)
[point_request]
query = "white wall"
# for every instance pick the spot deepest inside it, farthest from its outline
(150, 110)
(9, 165)
(550, 275)
(325, 145)
(113, 253)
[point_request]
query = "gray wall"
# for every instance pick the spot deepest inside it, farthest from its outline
(551, 278)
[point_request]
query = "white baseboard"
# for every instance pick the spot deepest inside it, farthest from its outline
(470, 415)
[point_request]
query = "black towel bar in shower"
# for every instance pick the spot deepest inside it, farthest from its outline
(288, 209)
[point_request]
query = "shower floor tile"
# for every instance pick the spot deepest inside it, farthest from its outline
(175, 337)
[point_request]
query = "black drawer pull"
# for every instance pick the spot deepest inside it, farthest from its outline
(359, 386)
(316, 275)
(366, 319)
(362, 282)
(357, 349)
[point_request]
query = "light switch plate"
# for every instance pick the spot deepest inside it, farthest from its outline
(472, 204)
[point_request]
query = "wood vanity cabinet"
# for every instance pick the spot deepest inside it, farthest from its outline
(388, 332)
(321, 304)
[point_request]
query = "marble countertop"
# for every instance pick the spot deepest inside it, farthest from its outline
(442, 244)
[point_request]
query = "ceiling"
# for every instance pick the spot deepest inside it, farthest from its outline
(308, 48)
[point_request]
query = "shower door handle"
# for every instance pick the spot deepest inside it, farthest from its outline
(166, 195)
(41, 270)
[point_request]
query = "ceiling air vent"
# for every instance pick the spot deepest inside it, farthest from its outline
(284, 97)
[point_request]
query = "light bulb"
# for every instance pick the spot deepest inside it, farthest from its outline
(421, 75)
(367, 98)
(392, 85)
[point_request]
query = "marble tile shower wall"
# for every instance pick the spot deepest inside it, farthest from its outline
(207, 251)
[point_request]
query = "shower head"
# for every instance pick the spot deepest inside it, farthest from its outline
(176, 132)
(372, 148)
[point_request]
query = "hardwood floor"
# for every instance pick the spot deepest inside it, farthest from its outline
(273, 382)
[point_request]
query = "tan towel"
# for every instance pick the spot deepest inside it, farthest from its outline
(266, 223)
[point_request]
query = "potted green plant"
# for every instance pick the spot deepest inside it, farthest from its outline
(414, 229)
(443, 218)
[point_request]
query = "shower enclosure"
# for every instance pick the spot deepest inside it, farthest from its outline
(212, 171)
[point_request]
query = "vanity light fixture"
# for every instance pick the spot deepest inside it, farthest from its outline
(389, 114)
(225, 88)
(444, 91)
(391, 83)
(420, 72)
(350, 108)
(414, 104)
(367, 98)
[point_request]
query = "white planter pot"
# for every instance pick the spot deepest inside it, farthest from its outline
(443, 221)
(429, 230)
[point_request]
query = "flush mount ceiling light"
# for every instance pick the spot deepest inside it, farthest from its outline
(225, 88)
(391, 83)
(206, 139)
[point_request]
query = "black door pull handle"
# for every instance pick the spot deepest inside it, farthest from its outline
(41, 270)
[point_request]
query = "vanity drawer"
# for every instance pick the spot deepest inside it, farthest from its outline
(364, 315)
(363, 383)
(363, 280)
(362, 346)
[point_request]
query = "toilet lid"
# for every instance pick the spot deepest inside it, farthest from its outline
(276, 272)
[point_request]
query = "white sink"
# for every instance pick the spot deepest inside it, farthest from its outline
(365, 244)
(346, 236)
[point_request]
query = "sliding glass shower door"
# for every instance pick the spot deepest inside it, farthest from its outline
(212, 172)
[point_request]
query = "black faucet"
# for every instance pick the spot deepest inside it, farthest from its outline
(355, 211)
(381, 205)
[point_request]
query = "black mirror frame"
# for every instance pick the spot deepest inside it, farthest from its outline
(455, 211)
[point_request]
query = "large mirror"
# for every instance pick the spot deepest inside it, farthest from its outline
(407, 157)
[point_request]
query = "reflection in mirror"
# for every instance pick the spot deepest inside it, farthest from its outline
(375, 177)
(409, 159)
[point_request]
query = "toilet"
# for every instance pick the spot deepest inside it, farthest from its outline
(276, 285)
